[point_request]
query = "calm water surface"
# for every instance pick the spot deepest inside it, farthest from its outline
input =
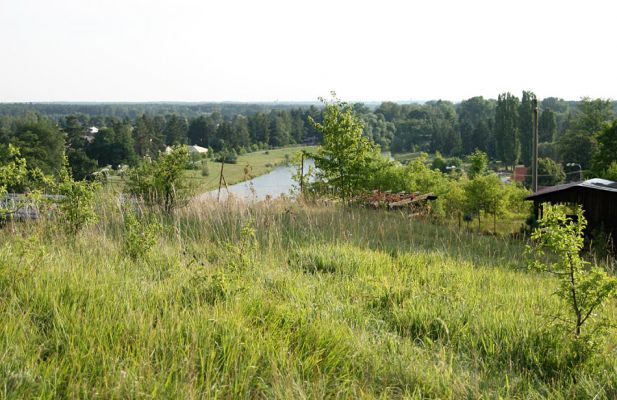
(277, 182)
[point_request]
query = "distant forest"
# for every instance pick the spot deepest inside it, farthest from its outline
(126, 132)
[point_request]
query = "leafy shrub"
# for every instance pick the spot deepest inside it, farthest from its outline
(227, 156)
(161, 183)
(77, 205)
(583, 288)
(141, 235)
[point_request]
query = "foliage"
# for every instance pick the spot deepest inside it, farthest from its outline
(13, 171)
(77, 204)
(592, 115)
(578, 147)
(303, 174)
(485, 193)
(611, 172)
(161, 183)
(344, 156)
(113, 146)
(550, 173)
(40, 143)
(525, 126)
(478, 164)
(205, 168)
(607, 149)
(141, 235)
(547, 126)
(506, 129)
(227, 156)
(583, 289)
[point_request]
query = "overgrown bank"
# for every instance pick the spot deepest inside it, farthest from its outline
(284, 301)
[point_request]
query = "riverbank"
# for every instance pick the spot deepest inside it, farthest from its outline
(259, 163)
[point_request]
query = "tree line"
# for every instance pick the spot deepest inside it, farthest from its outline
(570, 132)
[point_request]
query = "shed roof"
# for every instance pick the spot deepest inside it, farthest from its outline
(595, 183)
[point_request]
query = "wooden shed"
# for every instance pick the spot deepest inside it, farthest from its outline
(598, 197)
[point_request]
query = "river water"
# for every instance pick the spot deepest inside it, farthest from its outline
(275, 183)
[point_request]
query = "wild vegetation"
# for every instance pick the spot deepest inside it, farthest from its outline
(283, 300)
(152, 293)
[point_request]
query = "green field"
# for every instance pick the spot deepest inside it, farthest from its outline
(286, 301)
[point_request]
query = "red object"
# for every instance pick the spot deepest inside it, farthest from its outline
(520, 171)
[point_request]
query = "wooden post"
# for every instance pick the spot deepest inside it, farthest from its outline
(534, 155)
(218, 196)
(302, 175)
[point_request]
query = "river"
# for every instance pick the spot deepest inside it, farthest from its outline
(275, 183)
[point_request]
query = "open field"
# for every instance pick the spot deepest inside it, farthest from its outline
(283, 301)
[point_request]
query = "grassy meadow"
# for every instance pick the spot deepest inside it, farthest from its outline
(283, 300)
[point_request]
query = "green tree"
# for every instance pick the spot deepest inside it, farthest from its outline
(611, 172)
(345, 153)
(80, 164)
(474, 115)
(583, 289)
(439, 162)
(591, 116)
(525, 126)
(176, 129)
(482, 137)
(280, 128)
(478, 164)
(607, 149)
(40, 142)
(578, 147)
(113, 146)
(506, 129)
(77, 205)
(550, 173)
(13, 171)
(547, 126)
(486, 193)
(161, 183)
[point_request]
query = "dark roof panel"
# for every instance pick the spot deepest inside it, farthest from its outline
(596, 183)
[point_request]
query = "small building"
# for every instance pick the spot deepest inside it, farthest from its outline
(193, 149)
(197, 149)
(598, 197)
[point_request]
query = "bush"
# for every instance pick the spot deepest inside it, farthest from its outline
(227, 156)
(140, 235)
(583, 289)
(205, 169)
(161, 183)
(77, 202)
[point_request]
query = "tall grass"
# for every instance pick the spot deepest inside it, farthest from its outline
(283, 300)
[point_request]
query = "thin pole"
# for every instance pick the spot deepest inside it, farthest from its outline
(534, 179)
(218, 196)
(302, 175)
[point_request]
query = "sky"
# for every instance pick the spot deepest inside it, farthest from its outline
(296, 50)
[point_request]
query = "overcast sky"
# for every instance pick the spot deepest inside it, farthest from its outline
(267, 50)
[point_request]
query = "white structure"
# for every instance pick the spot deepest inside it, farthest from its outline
(194, 149)
(197, 149)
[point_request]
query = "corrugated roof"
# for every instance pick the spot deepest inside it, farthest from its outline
(595, 183)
